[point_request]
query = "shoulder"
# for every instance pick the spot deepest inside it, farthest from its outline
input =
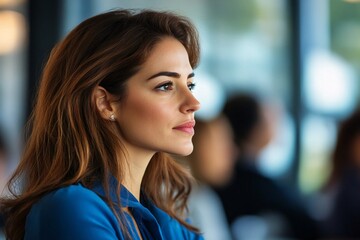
(70, 211)
(71, 199)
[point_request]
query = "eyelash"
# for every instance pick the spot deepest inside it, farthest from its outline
(167, 85)
(191, 86)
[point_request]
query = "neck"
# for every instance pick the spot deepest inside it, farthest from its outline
(137, 164)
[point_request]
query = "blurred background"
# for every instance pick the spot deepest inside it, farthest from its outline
(301, 57)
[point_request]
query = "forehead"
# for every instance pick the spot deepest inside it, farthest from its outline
(168, 53)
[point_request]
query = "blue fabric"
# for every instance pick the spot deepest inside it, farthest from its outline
(76, 212)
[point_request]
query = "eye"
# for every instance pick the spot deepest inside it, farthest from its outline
(191, 86)
(165, 86)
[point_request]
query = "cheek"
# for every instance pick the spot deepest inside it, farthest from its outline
(144, 111)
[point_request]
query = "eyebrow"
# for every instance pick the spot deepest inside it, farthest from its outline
(170, 74)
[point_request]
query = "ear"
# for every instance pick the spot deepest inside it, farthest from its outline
(103, 104)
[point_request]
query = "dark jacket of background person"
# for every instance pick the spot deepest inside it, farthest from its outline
(250, 192)
(343, 185)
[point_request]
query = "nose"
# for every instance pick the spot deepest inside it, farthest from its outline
(190, 104)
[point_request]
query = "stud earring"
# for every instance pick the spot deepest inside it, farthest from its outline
(112, 117)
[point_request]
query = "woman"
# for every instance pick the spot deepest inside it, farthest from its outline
(115, 99)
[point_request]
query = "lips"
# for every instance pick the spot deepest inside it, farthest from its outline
(187, 127)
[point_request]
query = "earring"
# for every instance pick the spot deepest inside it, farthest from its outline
(112, 117)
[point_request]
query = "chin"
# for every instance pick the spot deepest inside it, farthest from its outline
(183, 152)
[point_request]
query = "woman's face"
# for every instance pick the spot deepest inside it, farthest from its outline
(157, 113)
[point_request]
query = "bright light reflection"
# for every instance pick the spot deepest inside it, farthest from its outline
(210, 94)
(12, 31)
(330, 85)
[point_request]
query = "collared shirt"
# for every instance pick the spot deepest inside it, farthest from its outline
(76, 212)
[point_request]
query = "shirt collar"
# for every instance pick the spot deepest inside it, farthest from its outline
(126, 197)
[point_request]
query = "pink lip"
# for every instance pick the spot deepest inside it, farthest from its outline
(187, 127)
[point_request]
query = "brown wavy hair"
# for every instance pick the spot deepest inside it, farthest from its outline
(67, 139)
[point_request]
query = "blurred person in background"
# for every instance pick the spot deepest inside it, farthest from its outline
(343, 186)
(253, 201)
(211, 164)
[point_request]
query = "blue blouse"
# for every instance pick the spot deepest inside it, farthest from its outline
(76, 212)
